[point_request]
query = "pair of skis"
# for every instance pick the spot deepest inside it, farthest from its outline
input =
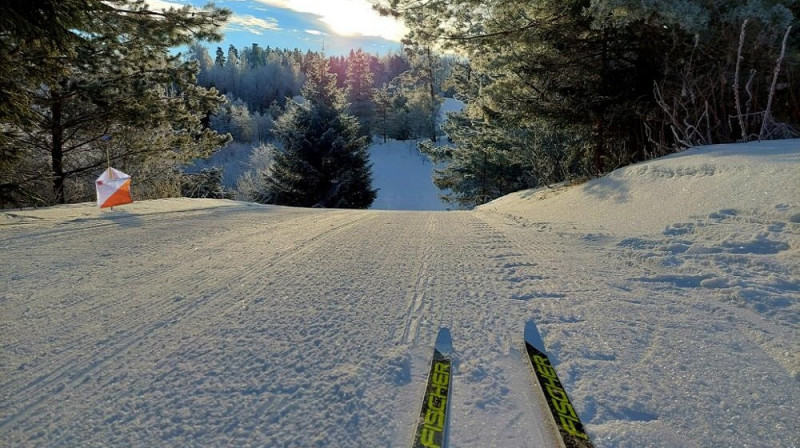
(433, 420)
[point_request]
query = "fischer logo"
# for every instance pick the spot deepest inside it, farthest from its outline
(558, 397)
(436, 405)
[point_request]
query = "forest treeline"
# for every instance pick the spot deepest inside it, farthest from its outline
(391, 95)
(276, 104)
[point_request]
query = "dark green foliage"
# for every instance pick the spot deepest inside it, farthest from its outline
(485, 161)
(113, 76)
(32, 36)
(559, 89)
(704, 99)
(322, 162)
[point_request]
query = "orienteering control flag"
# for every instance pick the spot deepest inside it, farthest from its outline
(113, 188)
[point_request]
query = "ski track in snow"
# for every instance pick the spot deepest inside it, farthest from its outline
(233, 324)
(231, 327)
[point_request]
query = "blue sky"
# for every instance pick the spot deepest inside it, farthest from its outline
(338, 25)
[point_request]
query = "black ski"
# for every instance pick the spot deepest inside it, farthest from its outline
(564, 415)
(432, 425)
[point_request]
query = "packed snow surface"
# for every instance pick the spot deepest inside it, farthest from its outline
(667, 293)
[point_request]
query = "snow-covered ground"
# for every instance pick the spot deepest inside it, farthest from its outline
(668, 294)
(403, 177)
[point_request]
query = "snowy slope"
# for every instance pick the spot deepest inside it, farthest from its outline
(218, 323)
(403, 177)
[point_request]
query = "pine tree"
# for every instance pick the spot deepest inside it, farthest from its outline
(117, 78)
(323, 162)
(571, 82)
(33, 40)
(425, 65)
(481, 164)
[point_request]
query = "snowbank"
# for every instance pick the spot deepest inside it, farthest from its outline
(753, 178)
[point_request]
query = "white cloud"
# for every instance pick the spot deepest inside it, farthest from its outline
(237, 22)
(314, 32)
(158, 5)
(346, 17)
(253, 24)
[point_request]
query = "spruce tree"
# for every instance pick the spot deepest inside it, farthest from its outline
(322, 161)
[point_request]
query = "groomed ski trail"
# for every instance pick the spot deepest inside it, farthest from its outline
(216, 323)
(256, 324)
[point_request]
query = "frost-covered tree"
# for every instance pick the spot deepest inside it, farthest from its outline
(359, 90)
(258, 76)
(383, 103)
(251, 185)
(206, 183)
(322, 161)
(234, 118)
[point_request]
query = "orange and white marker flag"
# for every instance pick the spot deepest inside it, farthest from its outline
(113, 188)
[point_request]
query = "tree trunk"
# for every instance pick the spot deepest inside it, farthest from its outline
(57, 149)
(600, 127)
(432, 92)
(599, 151)
(484, 181)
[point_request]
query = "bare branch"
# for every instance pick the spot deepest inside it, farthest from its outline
(736, 81)
(767, 115)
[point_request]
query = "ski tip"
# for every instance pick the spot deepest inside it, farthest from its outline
(533, 337)
(444, 341)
